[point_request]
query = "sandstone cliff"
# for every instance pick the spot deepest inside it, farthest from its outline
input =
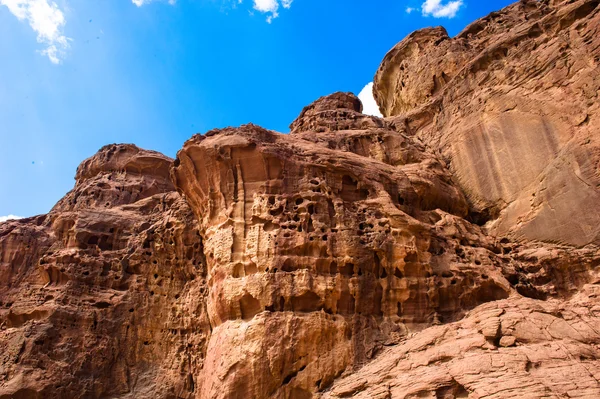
(447, 250)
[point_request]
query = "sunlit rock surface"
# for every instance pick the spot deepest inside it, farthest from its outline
(448, 250)
(511, 105)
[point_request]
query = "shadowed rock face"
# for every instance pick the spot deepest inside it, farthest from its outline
(354, 257)
(511, 104)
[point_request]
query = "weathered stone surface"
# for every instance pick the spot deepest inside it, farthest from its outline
(552, 352)
(511, 104)
(104, 296)
(295, 236)
(395, 257)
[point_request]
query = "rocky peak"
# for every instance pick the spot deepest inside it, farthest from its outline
(124, 158)
(338, 111)
(449, 250)
(118, 174)
(511, 105)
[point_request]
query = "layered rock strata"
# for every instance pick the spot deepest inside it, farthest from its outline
(511, 105)
(104, 296)
(448, 250)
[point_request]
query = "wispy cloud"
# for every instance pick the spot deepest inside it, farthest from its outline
(370, 107)
(271, 7)
(140, 3)
(439, 9)
(47, 21)
(9, 217)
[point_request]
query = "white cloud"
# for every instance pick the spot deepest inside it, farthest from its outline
(140, 3)
(437, 9)
(370, 107)
(409, 10)
(271, 7)
(9, 217)
(47, 21)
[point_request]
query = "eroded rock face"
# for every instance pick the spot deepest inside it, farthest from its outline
(511, 104)
(343, 253)
(104, 296)
(394, 257)
(513, 348)
(343, 240)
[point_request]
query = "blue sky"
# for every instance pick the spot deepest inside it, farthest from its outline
(78, 74)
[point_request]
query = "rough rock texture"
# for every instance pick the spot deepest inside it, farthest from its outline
(514, 348)
(354, 257)
(511, 105)
(104, 296)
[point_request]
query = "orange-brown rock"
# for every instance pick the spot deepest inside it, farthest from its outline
(104, 296)
(449, 250)
(318, 256)
(511, 104)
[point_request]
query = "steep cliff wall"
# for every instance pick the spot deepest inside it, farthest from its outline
(104, 296)
(511, 104)
(447, 250)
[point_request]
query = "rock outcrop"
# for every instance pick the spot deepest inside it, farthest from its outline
(104, 296)
(356, 256)
(511, 105)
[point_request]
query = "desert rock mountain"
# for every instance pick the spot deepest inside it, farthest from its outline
(448, 250)
(511, 106)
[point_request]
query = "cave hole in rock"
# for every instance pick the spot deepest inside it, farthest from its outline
(249, 307)
(288, 265)
(346, 304)
(333, 268)
(310, 227)
(484, 216)
(411, 257)
(347, 269)
(376, 264)
(436, 248)
(350, 191)
(490, 291)
(276, 212)
(307, 302)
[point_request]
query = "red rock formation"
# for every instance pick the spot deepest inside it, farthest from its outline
(355, 257)
(511, 104)
(104, 296)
